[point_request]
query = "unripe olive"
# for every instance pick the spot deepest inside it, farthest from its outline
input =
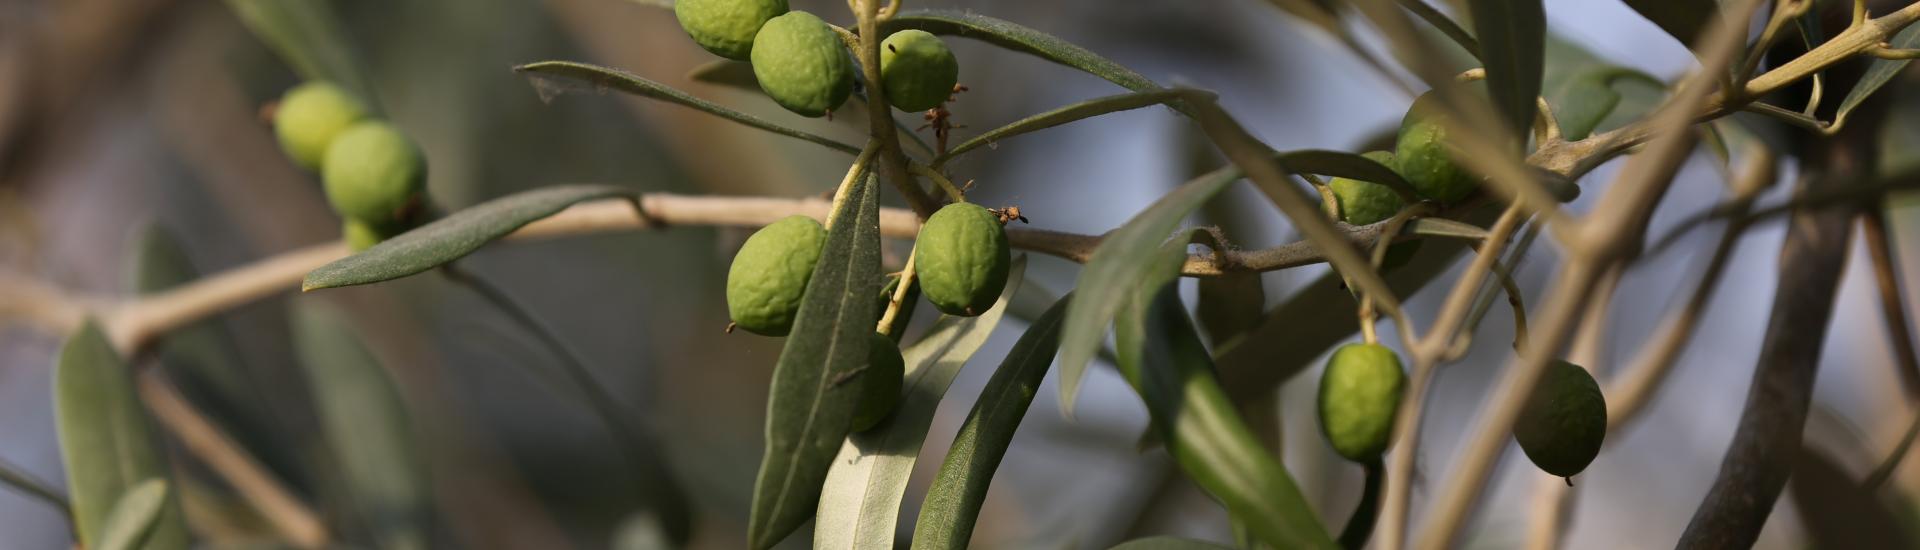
(918, 70)
(1359, 397)
(770, 273)
(1564, 422)
(1363, 202)
(310, 116)
(373, 173)
(1421, 157)
(801, 64)
(726, 27)
(880, 383)
(962, 258)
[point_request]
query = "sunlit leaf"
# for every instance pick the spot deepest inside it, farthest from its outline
(1015, 37)
(1075, 112)
(1117, 265)
(1169, 543)
(134, 516)
(1878, 73)
(953, 502)
(1513, 36)
(1683, 19)
(860, 507)
(365, 426)
(105, 439)
(307, 35)
(552, 78)
(450, 238)
(1162, 357)
(815, 384)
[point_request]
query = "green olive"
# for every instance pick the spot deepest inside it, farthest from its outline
(962, 258)
(1363, 202)
(880, 383)
(1359, 396)
(310, 116)
(726, 27)
(770, 273)
(1564, 422)
(801, 64)
(374, 173)
(918, 70)
(1421, 154)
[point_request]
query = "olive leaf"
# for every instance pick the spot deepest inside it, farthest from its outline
(448, 239)
(1161, 356)
(1360, 523)
(1342, 164)
(1015, 37)
(365, 425)
(860, 506)
(1442, 227)
(1070, 113)
(133, 516)
(1878, 74)
(1116, 265)
(1169, 543)
(307, 35)
(953, 502)
(1586, 92)
(105, 440)
(815, 388)
(1682, 19)
(552, 78)
(1513, 36)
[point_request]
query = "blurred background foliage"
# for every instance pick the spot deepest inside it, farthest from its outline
(133, 155)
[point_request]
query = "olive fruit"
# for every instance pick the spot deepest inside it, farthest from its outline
(769, 275)
(373, 173)
(1420, 154)
(1363, 202)
(1359, 396)
(1564, 421)
(310, 116)
(917, 69)
(880, 383)
(801, 64)
(726, 27)
(962, 259)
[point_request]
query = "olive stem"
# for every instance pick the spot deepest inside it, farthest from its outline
(939, 179)
(1379, 255)
(885, 327)
(853, 173)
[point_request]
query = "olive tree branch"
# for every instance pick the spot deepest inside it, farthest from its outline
(1605, 238)
(1893, 305)
(292, 518)
(893, 162)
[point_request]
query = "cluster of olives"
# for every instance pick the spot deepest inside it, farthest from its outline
(1420, 156)
(801, 62)
(372, 173)
(1560, 428)
(961, 258)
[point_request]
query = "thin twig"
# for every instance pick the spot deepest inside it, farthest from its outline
(1893, 304)
(288, 515)
(893, 163)
(17, 478)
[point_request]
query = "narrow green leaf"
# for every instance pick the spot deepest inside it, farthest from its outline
(1513, 36)
(448, 239)
(1169, 543)
(307, 35)
(860, 507)
(1342, 164)
(1116, 266)
(134, 516)
(1071, 113)
(726, 72)
(1162, 357)
(366, 426)
(953, 502)
(1683, 19)
(552, 78)
(1878, 73)
(105, 439)
(815, 384)
(1584, 101)
(1360, 523)
(1021, 39)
